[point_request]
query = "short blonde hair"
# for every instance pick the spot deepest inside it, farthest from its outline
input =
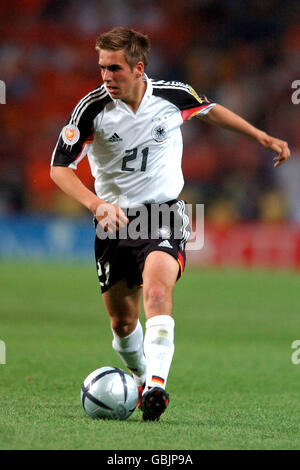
(136, 45)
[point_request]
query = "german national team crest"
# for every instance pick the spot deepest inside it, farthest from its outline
(70, 134)
(160, 132)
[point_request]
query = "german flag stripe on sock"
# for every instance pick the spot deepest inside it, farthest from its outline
(158, 380)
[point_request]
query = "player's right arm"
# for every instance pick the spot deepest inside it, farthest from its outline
(71, 147)
(110, 216)
(69, 183)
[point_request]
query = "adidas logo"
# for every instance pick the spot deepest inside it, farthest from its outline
(115, 138)
(166, 244)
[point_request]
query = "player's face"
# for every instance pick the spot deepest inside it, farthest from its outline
(117, 75)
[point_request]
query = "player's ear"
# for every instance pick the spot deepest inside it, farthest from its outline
(139, 69)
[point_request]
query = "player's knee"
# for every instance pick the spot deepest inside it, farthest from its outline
(156, 296)
(123, 326)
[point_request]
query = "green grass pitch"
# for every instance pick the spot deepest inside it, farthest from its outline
(232, 383)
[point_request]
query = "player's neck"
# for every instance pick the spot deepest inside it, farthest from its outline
(134, 100)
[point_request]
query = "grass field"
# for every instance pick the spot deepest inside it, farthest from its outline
(232, 384)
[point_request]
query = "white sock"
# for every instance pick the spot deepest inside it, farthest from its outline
(159, 349)
(130, 350)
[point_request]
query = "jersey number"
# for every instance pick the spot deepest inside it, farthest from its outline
(132, 155)
(103, 273)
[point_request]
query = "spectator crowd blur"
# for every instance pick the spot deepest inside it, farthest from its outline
(244, 55)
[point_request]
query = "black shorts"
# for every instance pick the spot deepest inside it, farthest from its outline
(123, 257)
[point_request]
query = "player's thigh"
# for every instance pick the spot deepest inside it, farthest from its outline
(123, 306)
(159, 277)
(162, 267)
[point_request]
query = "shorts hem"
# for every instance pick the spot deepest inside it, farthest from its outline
(181, 264)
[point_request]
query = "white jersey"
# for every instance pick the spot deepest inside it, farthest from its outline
(135, 158)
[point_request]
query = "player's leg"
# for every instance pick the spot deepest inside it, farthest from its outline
(159, 277)
(123, 306)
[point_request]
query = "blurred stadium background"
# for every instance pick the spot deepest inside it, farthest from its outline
(244, 55)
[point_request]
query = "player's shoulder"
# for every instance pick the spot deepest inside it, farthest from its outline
(173, 85)
(180, 94)
(97, 93)
(91, 104)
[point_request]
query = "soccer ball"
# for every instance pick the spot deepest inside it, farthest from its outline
(109, 393)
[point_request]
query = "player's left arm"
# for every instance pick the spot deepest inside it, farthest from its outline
(223, 117)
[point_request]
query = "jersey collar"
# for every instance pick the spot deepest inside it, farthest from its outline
(148, 92)
(149, 89)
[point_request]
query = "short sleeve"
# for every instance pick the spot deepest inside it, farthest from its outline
(78, 132)
(184, 97)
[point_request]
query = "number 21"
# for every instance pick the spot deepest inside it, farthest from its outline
(132, 155)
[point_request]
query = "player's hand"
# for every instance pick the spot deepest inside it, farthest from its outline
(276, 145)
(111, 217)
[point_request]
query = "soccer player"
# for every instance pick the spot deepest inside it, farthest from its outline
(129, 128)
